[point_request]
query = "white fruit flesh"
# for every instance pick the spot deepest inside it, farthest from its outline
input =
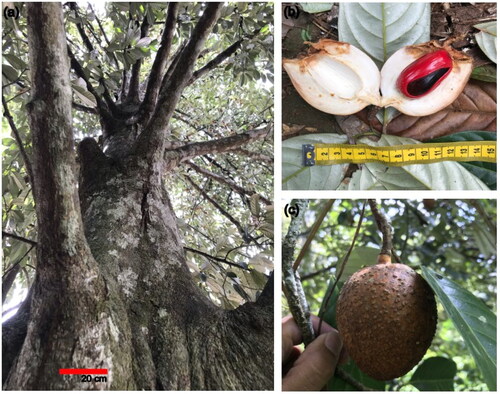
(339, 79)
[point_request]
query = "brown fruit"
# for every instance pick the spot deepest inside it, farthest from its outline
(386, 316)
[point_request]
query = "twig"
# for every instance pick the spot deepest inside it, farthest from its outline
(19, 141)
(19, 238)
(292, 286)
(314, 230)
(353, 382)
(160, 62)
(244, 234)
(319, 272)
(384, 227)
(221, 179)
(219, 259)
(340, 271)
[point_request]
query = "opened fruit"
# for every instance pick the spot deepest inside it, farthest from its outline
(418, 80)
(337, 78)
(386, 316)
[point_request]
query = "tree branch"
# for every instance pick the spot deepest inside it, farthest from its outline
(190, 151)
(253, 155)
(160, 62)
(86, 41)
(115, 59)
(384, 227)
(84, 108)
(8, 280)
(246, 237)
(17, 136)
(151, 140)
(219, 259)
(19, 238)
(216, 61)
(133, 90)
(77, 67)
(319, 272)
(59, 223)
(225, 181)
(292, 287)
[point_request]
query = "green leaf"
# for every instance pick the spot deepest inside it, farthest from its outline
(391, 26)
(336, 384)
(15, 62)
(487, 39)
(485, 240)
(267, 229)
(143, 42)
(314, 8)
(361, 256)
(486, 172)
(486, 73)
(10, 72)
(445, 175)
(84, 95)
(473, 319)
(467, 136)
(435, 374)
(298, 177)
(255, 205)
(483, 172)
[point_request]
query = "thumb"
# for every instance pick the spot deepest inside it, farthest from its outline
(316, 365)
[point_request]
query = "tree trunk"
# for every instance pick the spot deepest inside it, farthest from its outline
(112, 287)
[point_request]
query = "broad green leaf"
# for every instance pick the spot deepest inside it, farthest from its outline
(261, 263)
(482, 171)
(435, 374)
(361, 256)
(329, 314)
(84, 95)
(267, 229)
(467, 136)
(10, 72)
(487, 39)
(473, 319)
(486, 241)
(16, 62)
(336, 384)
(143, 42)
(255, 205)
(486, 73)
(314, 8)
(446, 175)
(362, 180)
(486, 172)
(298, 177)
(380, 29)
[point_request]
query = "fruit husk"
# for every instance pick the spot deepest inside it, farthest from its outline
(386, 316)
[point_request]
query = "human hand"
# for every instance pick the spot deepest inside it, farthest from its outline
(312, 369)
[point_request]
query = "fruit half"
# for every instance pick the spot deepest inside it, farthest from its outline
(337, 78)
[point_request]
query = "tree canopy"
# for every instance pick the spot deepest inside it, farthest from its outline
(222, 201)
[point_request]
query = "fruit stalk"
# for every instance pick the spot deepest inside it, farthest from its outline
(386, 230)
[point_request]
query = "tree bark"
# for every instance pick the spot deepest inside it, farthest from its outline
(112, 287)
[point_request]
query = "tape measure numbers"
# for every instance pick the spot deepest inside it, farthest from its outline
(399, 155)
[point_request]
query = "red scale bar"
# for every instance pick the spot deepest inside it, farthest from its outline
(83, 371)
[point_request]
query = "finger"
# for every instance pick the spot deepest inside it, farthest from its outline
(292, 334)
(316, 365)
(292, 357)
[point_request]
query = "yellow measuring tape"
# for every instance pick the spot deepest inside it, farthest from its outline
(399, 155)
